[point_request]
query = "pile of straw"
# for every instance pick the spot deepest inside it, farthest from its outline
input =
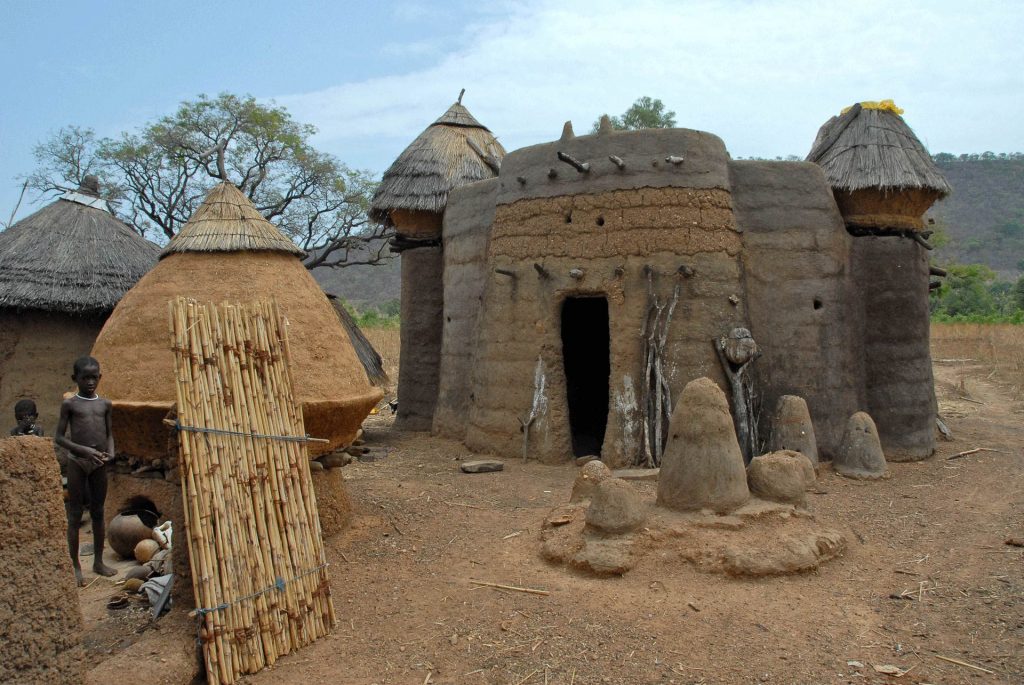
(254, 539)
(445, 156)
(227, 221)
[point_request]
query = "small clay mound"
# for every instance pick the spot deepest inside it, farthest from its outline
(860, 452)
(792, 428)
(781, 477)
(606, 556)
(789, 554)
(702, 467)
(616, 507)
(40, 634)
(592, 473)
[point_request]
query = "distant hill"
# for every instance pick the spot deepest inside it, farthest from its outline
(363, 286)
(983, 219)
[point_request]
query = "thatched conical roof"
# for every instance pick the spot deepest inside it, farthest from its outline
(227, 221)
(72, 256)
(453, 151)
(871, 146)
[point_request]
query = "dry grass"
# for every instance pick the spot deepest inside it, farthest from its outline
(999, 347)
(386, 341)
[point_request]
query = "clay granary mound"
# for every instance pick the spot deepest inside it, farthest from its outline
(40, 634)
(229, 252)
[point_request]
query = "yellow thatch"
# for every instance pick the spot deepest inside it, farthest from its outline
(227, 221)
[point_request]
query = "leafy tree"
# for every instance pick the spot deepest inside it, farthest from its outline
(646, 112)
(1018, 293)
(965, 292)
(161, 173)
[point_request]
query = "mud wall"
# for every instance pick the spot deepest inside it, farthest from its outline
(467, 230)
(804, 306)
(892, 274)
(422, 321)
(37, 350)
(622, 243)
(40, 620)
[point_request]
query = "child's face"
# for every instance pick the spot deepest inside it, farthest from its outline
(25, 421)
(87, 378)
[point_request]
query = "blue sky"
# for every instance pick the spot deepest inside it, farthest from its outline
(371, 75)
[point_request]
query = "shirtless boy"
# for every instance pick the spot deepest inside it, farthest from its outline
(25, 415)
(91, 448)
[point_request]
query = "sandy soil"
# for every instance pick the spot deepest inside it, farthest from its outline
(926, 574)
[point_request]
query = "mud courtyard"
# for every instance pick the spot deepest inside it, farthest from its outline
(927, 580)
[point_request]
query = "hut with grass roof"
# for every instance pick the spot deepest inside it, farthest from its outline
(62, 271)
(229, 252)
(883, 181)
(454, 151)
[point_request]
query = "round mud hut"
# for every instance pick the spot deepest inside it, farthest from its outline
(884, 180)
(62, 271)
(452, 152)
(228, 252)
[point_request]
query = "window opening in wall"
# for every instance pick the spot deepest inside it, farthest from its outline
(586, 356)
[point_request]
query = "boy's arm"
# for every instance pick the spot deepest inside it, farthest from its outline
(74, 448)
(110, 430)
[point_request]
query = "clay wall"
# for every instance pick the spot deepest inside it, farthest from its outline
(892, 273)
(616, 238)
(40, 620)
(467, 230)
(37, 350)
(803, 303)
(422, 311)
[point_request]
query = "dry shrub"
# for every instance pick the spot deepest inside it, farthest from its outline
(1000, 347)
(385, 340)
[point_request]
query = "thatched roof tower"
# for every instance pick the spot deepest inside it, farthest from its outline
(228, 251)
(73, 256)
(881, 174)
(453, 151)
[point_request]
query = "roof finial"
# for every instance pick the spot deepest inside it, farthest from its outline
(567, 132)
(605, 127)
(461, 93)
(90, 185)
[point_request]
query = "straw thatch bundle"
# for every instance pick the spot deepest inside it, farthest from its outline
(227, 221)
(368, 356)
(453, 151)
(72, 256)
(880, 172)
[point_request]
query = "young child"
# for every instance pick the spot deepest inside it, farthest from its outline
(26, 415)
(90, 447)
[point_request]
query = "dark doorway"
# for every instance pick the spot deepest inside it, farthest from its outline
(585, 353)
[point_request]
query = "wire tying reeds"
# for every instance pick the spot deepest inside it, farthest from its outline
(259, 571)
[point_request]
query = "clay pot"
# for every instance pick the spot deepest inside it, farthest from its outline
(126, 531)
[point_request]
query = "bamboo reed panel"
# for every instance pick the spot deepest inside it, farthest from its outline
(253, 532)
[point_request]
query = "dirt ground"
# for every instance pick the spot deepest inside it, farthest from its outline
(926, 575)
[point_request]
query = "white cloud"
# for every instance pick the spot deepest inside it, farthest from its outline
(762, 75)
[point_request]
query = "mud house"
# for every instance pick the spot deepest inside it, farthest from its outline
(584, 286)
(62, 271)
